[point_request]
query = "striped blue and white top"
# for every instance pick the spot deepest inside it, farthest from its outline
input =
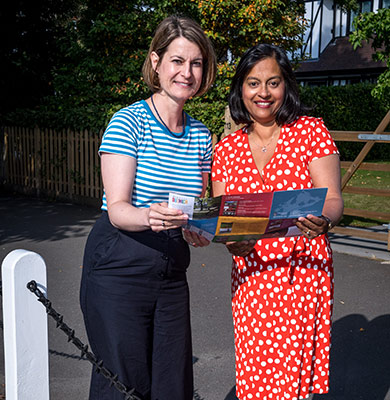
(165, 163)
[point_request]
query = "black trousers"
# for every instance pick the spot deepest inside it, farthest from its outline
(135, 301)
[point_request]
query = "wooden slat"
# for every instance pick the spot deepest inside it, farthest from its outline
(87, 164)
(368, 166)
(33, 160)
(70, 158)
(55, 161)
(65, 161)
(90, 173)
(363, 233)
(367, 214)
(23, 157)
(51, 160)
(38, 159)
(30, 159)
(61, 168)
(353, 136)
(20, 155)
(99, 184)
(77, 163)
(83, 161)
(45, 157)
(15, 156)
(367, 191)
(11, 155)
(10, 151)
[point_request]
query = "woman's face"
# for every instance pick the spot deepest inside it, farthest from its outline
(263, 91)
(180, 70)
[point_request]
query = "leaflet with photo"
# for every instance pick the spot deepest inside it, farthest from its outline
(249, 216)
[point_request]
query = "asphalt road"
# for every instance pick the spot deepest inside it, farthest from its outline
(360, 360)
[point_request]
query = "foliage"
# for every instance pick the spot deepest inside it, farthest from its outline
(212, 114)
(375, 28)
(347, 5)
(236, 25)
(29, 48)
(104, 43)
(337, 106)
(348, 108)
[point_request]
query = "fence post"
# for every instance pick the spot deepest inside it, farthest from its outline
(3, 154)
(364, 151)
(230, 125)
(37, 154)
(25, 327)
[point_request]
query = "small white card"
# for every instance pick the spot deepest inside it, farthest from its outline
(180, 202)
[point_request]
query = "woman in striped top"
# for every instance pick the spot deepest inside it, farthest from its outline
(134, 293)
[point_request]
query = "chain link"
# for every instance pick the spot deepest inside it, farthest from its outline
(130, 394)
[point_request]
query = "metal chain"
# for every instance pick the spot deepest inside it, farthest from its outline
(130, 394)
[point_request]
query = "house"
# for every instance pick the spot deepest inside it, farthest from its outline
(329, 56)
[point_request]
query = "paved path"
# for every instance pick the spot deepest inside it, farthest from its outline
(361, 331)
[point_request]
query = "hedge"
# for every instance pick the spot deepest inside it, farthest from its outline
(342, 108)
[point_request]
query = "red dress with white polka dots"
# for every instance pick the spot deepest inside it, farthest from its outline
(282, 292)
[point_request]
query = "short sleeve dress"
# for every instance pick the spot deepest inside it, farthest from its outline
(282, 292)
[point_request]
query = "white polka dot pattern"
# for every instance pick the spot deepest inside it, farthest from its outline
(282, 292)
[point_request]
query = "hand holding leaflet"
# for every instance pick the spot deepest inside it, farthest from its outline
(249, 216)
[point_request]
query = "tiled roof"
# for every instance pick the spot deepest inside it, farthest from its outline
(340, 56)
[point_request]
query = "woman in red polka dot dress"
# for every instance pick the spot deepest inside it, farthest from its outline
(282, 289)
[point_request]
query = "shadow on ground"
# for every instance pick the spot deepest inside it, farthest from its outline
(232, 394)
(360, 359)
(40, 221)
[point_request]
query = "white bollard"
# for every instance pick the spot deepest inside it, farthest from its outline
(26, 349)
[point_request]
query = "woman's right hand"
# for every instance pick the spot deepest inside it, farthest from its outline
(241, 249)
(194, 239)
(162, 218)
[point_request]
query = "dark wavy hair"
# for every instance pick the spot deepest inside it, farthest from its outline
(291, 107)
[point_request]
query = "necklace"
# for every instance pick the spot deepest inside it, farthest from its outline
(180, 135)
(264, 147)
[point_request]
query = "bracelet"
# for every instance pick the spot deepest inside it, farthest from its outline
(328, 221)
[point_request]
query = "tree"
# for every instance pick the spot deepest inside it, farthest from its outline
(104, 50)
(236, 25)
(375, 28)
(29, 50)
(104, 45)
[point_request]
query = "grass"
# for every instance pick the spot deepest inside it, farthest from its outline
(367, 179)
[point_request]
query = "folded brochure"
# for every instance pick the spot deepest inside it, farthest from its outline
(249, 216)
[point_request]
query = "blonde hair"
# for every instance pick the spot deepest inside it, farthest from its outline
(170, 29)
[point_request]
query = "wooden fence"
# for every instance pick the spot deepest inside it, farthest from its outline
(59, 164)
(65, 165)
(369, 138)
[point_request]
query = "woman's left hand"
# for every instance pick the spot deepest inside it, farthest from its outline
(312, 226)
(241, 249)
(162, 218)
(194, 239)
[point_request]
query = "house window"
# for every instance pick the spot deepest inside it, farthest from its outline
(364, 6)
(385, 4)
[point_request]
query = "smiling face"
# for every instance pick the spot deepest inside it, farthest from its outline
(263, 91)
(179, 70)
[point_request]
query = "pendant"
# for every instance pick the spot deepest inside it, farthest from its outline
(264, 149)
